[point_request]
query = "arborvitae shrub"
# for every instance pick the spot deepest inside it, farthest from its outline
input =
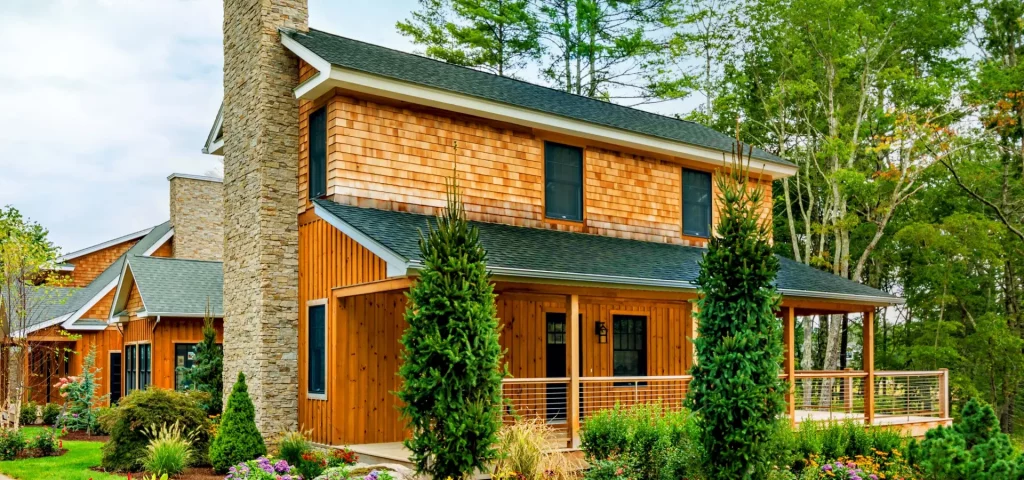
(152, 408)
(238, 440)
(736, 390)
(451, 360)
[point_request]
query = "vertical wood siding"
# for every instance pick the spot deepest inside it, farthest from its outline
(168, 332)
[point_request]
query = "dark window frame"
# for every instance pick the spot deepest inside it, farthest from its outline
(145, 367)
(553, 182)
(179, 371)
(703, 231)
(314, 391)
(130, 372)
(626, 342)
(317, 149)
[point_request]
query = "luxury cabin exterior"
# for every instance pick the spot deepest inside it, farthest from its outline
(594, 217)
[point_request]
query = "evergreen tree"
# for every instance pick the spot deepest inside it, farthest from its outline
(973, 448)
(238, 440)
(736, 389)
(207, 373)
(451, 370)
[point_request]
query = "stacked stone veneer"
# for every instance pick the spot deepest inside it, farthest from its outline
(197, 215)
(260, 192)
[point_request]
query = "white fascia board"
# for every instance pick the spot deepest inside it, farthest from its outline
(331, 76)
(124, 281)
(215, 144)
(91, 303)
(867, 299)
(145, 314)
(86, 328)
(39, 326)
(397, 265)
(205, 178)
(159, 243)
(101, 246)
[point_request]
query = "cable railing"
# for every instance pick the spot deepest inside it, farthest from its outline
(911, 395)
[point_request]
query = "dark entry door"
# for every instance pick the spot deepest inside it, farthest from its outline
(557, 398)
(115, 377)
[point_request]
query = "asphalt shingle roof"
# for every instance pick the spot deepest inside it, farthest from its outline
(179, 286)
(385, 62)
(523, 248)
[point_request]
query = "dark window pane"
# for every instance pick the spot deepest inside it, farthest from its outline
(318, 153)
(129, 367)
(696, 203)
(629, 346)
(317, 348)
(563, 181)
(145, 365)
(184, 359)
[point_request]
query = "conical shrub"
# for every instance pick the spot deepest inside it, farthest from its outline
(238, 440)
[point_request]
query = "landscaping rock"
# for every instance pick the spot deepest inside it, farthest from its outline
(399, 472)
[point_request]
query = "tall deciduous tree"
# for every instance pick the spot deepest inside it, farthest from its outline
(736, 390)
(451, 361)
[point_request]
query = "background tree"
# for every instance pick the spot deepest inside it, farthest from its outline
(736, 391)
(207, 372)
(498, 36)
(451, 359)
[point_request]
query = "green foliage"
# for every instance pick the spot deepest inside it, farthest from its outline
(973, 448)
(46, 442)
(29, 413)
(643, 441)
(238, 440)
(51, 412)
(207, 372)
(736, 391)
(605, 434)
(80, 396)
(608, 470)
(291, 446)
(451, 361)
(106, 418)
(12, 442)
(169, 450)
(142, 409)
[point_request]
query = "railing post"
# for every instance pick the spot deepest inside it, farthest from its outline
(848, 392)
(572, 309)
(789, 362)
(944, 392)
(868, 356)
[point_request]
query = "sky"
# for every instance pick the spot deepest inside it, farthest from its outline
(101, 100)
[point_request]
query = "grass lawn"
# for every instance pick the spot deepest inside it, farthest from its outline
(73, 465)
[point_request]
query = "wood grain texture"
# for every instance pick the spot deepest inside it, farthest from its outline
(90, 266)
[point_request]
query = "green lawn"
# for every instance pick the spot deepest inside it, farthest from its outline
(73, 465)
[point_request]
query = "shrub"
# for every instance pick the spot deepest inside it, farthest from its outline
(47, 442)
(238, 440)
(834, 441)
(262, 469)
(29, 413)
(451, 359)
(144, 408)
(605, 434)
(608, 470)
(312, 464)
(207, 372)
(12, 442)
(50, 413)
(169, 451)
(291, 446)
(736, 385)
(106, 417)
(645, 440)
(972, 448)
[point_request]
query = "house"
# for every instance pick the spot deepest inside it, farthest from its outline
(138, 299)
(594, 217)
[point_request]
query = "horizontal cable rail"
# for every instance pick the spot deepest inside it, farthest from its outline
(829, 396)
(910, 394)
(538, 399)
(603, 393)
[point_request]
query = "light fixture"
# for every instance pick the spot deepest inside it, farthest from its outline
(602, 332)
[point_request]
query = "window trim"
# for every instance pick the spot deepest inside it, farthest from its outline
(138, 365)
(583, 183)
(134, 376)
(645, 352)
(682, 203)
(316, 303)
(309, 153)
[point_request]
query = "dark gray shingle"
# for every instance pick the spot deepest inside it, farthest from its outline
(179, 286)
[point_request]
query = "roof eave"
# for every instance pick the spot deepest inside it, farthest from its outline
(331, 76)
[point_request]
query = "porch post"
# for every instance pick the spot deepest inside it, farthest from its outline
(944, 393)
(789, 362)
(572, 309)
(868, 356)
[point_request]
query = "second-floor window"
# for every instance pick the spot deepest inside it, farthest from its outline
(696, 203)
(563, 182)
(318, 153)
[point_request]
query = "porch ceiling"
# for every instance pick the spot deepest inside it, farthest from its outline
(541, 254)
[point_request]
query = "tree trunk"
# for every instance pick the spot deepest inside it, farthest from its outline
(807, 360)
(831, 357)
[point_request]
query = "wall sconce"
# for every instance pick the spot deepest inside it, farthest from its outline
(602, 332)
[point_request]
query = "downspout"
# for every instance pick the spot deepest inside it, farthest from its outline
(155, 324)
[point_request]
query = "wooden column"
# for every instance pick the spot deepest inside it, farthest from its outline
(789, 362)
(869, 366)
(944, 393)
(690, 353)
(572, 310)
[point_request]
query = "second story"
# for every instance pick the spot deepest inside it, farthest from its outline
(384, 129)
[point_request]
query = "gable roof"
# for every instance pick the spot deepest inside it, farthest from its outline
(414, 69)
(172, 287)
(68, 312)
(100, 246)
(556, 255)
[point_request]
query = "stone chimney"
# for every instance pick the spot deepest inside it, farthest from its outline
(261, 152)
(197, 215)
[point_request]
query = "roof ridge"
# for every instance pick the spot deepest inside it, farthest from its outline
(592, 99)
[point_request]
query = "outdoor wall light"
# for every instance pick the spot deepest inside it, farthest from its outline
(602, 332)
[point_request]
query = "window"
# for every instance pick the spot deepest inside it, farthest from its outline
(563, 182)
(145, 365)
(317, 351)
(696, 203)
(318, 153)
(129, 368)
(184, 358)
(629, 339)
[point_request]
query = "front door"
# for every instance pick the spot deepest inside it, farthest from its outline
(115, 377)
(557, 399)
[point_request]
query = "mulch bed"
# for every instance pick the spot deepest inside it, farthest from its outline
(84, 436)
(35, 453)
(189, 474)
